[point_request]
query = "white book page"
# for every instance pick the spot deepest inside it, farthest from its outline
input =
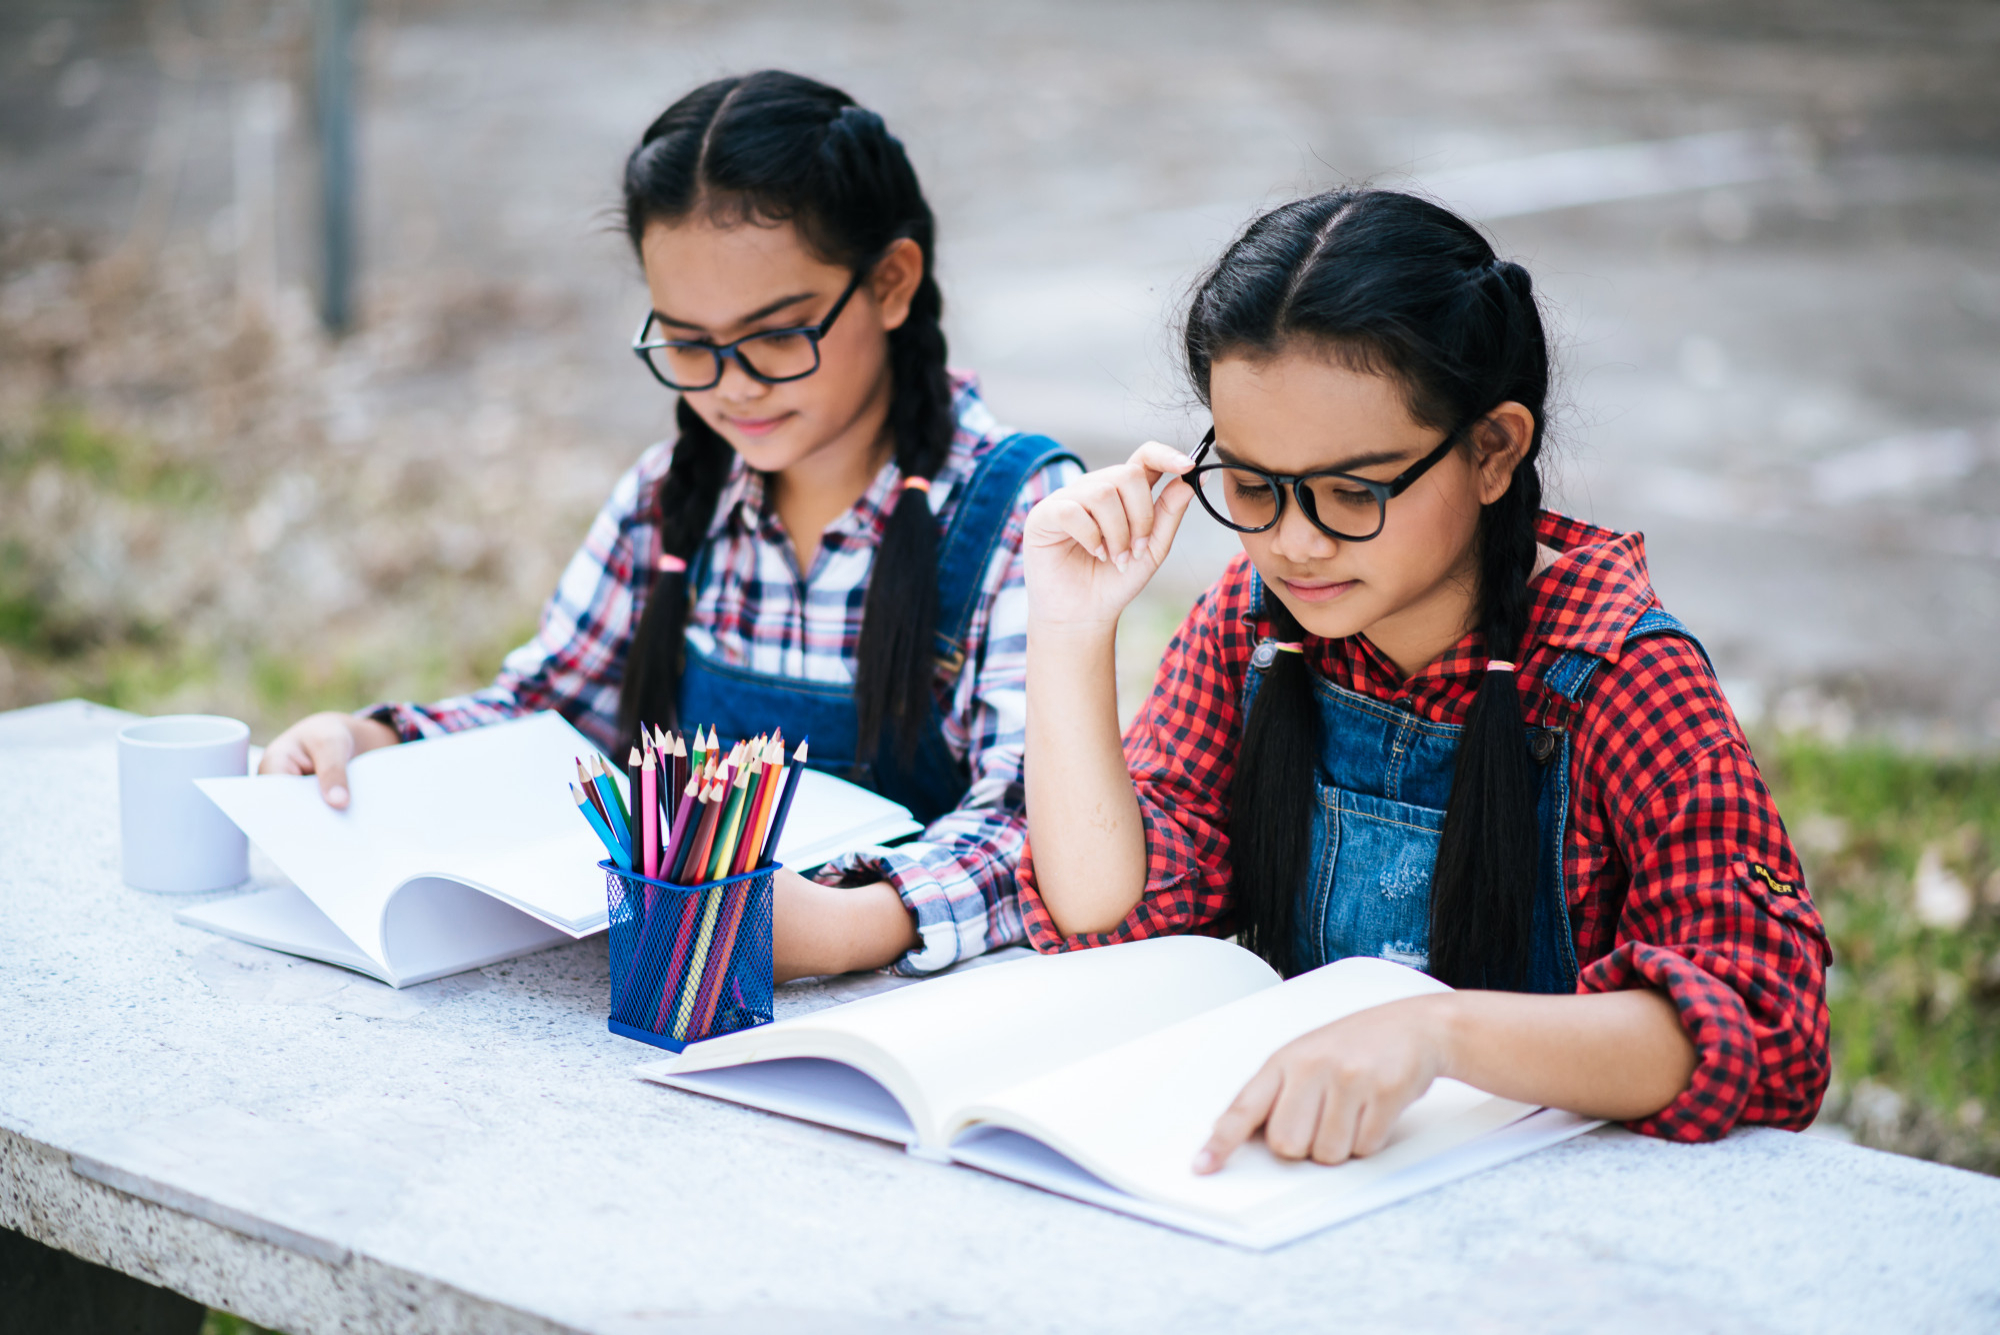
(960, 1039)
(830, 816)
(1136, 1115)
(489, 804)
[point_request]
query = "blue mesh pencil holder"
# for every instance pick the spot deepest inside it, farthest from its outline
(689, 962)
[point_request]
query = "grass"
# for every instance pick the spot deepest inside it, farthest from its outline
(121, 464)
(1902, 854)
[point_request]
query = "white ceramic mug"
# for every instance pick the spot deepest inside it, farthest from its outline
(176, 840)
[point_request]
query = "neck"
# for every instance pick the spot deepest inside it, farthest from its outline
(825, 484)
(1416, 636)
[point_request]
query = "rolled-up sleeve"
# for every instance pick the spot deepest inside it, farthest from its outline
(1718, 919)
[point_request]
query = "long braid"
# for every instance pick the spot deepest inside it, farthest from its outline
(1271, 802)
(765, 149)
(683, 508)
(1483, 886)
(1392, 285)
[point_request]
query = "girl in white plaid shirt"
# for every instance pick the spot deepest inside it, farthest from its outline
(832, 545)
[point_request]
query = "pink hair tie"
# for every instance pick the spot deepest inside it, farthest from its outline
(671, 564)
(1498, 665)
(922, 484)
(1266, 652)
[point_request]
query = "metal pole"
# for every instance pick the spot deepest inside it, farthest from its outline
(334, 22)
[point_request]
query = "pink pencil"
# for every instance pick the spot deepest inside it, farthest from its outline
(649, 818)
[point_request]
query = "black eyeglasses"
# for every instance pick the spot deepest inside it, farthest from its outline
(782, 354)
(1340, 505)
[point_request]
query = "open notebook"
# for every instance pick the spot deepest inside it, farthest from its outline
(1098, 1074)
(460, 851)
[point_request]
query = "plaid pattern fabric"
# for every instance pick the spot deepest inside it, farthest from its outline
(1679, 873)
(753, 610)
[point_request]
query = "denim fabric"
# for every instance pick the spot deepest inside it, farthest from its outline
(738, 702)
(1383, 783)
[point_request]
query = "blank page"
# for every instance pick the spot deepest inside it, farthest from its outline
(1135, 1115)
(957, 1039)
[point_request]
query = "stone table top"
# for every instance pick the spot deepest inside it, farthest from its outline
(318, 1152)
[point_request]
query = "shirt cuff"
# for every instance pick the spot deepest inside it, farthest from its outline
(942, 939)
(1716, 1022)
(409, 722)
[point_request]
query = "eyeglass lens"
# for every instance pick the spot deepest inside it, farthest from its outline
(781, 355)
(1246, 500)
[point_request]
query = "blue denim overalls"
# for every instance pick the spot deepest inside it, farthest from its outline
(1384, 780)
(738, 702)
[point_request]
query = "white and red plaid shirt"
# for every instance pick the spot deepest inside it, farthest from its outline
(752, 610)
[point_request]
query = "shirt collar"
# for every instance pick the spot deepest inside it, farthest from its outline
(1588, 600)
(1597, 588)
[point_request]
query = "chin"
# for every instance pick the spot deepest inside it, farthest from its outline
(1346, 616)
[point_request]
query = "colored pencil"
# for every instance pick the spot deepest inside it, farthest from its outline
(736, 899)
(732, 824)
(704, 837)
(618, 855)
(679, 832)
(752, 842)
(632, 787)
(649, 815)
(613, 807)
(698, 962)
(784, 804)
(773, 787)
(590, 790)
(613, 797)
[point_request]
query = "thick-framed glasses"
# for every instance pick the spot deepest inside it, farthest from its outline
(1340, 505)
(771, 356)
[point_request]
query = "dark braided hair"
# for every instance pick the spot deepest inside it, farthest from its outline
(1394, 285)
(764, 149)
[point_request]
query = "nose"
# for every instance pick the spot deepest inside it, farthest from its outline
(1298, 539)
(737, 384)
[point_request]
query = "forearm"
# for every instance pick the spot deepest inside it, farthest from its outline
(1617, 1055)
(821, 929)
(1083, 816)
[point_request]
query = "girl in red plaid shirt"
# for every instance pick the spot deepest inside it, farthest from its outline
(830, 548)
(1420, 718)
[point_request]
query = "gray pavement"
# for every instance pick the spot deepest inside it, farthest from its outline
(1767, 234)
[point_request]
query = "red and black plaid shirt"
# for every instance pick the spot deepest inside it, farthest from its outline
(1679, 874)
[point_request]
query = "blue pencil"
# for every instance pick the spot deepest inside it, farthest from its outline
(614, 807)
(784, 806)
(618, 855)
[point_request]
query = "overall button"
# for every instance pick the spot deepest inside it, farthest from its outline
(1542, 745)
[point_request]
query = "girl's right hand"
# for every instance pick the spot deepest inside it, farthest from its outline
(323, 744)
(1093, 545)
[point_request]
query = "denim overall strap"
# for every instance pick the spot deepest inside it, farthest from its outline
(739, 702)
(1382, 785)
(978, 524)
(1573, 671)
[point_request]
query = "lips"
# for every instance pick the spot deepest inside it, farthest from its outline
(756, 426)
(1319, 591)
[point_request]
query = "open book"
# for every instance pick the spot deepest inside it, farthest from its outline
(460, 851)
(1098, 1074)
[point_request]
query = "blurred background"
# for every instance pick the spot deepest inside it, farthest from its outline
(1768, 235)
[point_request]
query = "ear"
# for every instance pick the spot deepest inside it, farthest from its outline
(1499, 442)
(894, 283)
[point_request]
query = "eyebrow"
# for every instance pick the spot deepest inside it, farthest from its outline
(760, 313)
(1347, 465)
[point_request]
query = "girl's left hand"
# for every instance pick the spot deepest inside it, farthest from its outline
(1335, 1093)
